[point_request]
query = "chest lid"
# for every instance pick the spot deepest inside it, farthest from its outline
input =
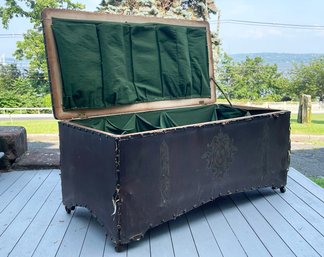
(102, 64)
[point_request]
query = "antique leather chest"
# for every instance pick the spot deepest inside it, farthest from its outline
(142, 139)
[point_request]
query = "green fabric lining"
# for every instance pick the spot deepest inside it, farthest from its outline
(105, 64)
(75, 44)
(146, 121)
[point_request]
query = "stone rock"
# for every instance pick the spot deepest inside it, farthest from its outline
(36, 159)
(13, 143)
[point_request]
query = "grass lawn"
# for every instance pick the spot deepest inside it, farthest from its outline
(34, 126)
(50, 126)
(318, 181)
(316, 127)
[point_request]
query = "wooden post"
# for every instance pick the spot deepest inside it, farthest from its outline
(305, 109)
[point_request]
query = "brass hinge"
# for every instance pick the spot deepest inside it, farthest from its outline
(81, 115)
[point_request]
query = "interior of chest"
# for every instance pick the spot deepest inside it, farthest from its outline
(109, 64)
(105, 64)
(161, 119)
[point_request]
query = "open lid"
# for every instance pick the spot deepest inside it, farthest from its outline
(101, 64)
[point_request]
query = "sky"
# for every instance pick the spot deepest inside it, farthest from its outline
(236, 38)
(250, 39)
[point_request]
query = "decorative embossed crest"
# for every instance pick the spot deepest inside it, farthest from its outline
(219, 154)
(164, 172)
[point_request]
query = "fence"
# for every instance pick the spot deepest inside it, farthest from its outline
(317, 107)
(27, 110)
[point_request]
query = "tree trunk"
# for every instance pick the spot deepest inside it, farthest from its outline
(305, 109)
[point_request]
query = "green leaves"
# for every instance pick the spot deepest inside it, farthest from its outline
(31, 9)
(308, 79)
(189, 9)
(251, 79)
(32, 46)
(16, 90)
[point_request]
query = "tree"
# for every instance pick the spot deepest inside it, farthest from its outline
(15, 89)
(188, 9)
(251, 79)
(308, 79)
(32, 46)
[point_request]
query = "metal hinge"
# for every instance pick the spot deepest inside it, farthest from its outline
(82, 115)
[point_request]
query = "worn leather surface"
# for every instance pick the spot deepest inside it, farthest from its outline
(163, 175)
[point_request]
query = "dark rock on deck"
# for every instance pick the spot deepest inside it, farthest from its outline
(38, 158)
(13, 143)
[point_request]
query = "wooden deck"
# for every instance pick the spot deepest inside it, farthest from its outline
(33, 222)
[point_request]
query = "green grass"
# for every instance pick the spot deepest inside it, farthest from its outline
(50, 126)
(34, 126)
(316, 127)
(318, 181)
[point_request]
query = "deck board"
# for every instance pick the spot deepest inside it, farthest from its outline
(271, 240)
(228, 243)
(26, 216)
(183, 242)
(312, 201)
(94, 241)
(316, 220)
(298, 222)
(204, 239)
(32, 236)
(161, 244)
(307, 183)
(260, 223)
(13, 209)
(8, 195)
(245, 234)
(7, 181)
(291, 237)
(74, 237)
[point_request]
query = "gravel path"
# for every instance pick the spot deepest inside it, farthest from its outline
(308, 158)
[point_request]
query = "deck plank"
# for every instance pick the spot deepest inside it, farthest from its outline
(15, 188)
(310, 234)
(292, 238)
(74, 237)
(32, 236)
(19, 202)
(183, 243)
(33, 222)
(313, 188)
(245, 234)
(140, 248)
(316, 220)
(109, 250)
(272, 241)
(160, 239)
(305, 195)
(227, 240)
(205, 242)
(12, 233)
(6, 180)
(95, 240)
(55, 230)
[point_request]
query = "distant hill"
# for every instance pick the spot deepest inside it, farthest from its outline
(284, 61)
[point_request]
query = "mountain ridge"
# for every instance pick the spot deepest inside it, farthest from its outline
(284, 61)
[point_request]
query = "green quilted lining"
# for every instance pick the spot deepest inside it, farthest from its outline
(105, 64)
(145, 121)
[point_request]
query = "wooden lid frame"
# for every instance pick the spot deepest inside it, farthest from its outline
(54, 69)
